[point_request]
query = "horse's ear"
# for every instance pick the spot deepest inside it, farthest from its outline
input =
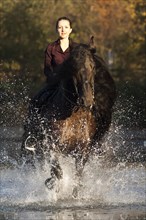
(91, 44)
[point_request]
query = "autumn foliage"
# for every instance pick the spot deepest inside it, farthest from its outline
(118, 27)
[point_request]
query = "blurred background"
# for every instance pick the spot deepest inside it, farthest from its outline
(27, 26)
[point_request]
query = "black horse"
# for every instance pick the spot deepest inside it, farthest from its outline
(73, 118)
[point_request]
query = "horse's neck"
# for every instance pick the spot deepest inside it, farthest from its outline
(68, 90)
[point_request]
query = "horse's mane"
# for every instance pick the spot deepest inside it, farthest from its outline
(68, 68)
(97, 59)
(105, 90)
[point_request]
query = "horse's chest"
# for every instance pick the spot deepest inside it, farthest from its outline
(79, 128)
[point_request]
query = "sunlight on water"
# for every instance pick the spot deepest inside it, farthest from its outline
(99, 186)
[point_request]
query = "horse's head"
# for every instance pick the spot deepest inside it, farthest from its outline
(84, 69)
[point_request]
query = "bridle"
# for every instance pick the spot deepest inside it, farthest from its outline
(77, 104)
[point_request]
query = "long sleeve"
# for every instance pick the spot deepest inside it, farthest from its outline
(54, 62)
(48, 70)
(52, 73)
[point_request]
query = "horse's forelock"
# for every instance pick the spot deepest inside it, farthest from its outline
(82, 58)
(80, 52)
(87, 47)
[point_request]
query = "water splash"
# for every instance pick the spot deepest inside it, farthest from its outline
(14, 99)
(115, 178)
(99, 186)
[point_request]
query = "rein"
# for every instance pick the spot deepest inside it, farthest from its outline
(77, 104)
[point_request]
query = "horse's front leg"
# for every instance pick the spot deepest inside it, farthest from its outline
(56, 172)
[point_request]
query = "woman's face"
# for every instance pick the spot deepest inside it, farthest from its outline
(64, 29)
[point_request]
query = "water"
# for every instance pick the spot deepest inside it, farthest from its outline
(113, 186)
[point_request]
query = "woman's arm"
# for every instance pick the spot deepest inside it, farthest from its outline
(48, 70)
(53, 74)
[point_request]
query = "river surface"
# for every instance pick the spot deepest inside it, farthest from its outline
(113, 185)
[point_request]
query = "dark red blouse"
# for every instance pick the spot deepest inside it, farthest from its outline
(54, 58)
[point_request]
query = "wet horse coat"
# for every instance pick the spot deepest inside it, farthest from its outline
(76, 115)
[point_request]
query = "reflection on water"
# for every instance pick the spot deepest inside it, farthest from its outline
(112, 186)
(77, 214)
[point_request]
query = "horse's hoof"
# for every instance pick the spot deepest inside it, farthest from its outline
(50, 183)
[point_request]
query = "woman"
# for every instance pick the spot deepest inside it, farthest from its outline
(55, 54)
